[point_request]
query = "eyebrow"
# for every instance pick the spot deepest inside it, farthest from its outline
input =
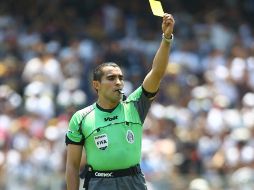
(112, 75)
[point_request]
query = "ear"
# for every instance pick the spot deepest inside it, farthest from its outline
(96, 85)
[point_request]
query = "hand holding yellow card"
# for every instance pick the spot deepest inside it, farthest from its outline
(156, 8)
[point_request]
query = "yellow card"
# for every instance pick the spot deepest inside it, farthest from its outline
(156, 8)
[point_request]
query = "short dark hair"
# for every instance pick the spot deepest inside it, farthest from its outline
(98, 73)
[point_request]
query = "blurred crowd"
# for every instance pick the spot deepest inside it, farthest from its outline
(199, 132)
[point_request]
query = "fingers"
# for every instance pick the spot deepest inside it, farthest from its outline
(168, 19)
(168, 25)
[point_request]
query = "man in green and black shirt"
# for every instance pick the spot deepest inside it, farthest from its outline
(110, 130)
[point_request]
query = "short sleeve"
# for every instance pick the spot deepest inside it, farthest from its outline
(142, 101)
(74, 134)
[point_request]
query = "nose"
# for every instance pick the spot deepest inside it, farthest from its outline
(118, 81)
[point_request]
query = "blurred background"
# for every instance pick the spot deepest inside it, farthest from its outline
(199, 132)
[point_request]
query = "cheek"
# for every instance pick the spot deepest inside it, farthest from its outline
(107, 86)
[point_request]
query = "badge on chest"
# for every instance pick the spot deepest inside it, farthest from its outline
(101, 141)
(130, 136)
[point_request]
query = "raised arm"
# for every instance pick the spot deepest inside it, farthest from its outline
(152, 80)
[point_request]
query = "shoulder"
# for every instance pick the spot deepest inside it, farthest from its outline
(134, 96)
(139, 93)
(81, 114)
(85, 111)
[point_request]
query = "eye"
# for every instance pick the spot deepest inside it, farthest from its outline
(111, 78)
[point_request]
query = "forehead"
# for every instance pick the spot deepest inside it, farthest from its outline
(110, 70)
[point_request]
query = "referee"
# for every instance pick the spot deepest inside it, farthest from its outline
(110, 130)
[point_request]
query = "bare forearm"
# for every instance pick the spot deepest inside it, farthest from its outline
(161, 59)
(74, 153)
(153, 78)
(72, 179)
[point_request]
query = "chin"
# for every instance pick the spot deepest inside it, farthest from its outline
(116, 100)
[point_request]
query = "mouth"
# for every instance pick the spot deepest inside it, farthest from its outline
(120, 91)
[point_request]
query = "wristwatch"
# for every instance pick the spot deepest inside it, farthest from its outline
(168, 40)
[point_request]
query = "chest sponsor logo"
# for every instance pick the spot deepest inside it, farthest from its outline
(130, 136)
(101, 141)
(111, 118)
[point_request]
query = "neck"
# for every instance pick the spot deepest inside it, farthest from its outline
(107, 105)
